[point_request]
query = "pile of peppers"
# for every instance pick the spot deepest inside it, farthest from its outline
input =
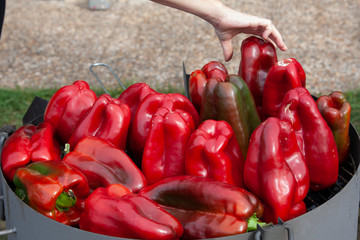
(244, 150)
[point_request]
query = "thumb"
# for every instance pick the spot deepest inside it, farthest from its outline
(227, 49)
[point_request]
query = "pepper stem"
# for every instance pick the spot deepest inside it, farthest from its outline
(65, 201)
(66, 148)
(253, 221)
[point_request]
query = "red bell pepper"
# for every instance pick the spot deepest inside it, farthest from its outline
(116, 212)
(283, 76)
(103, 164)
(164, 152)
(214, 152)
(336, 111)
(67, 106)
(52, 188)
(314, 137)
(257, 57)
(205, 207)
(108, 118)
(275, 170)
(28, 144)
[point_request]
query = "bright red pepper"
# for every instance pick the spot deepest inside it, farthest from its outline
(116, 212)
(67, 106)
(336, 111)
(164, 152)
(283, 76)
(257, 57)
(275, 170)
(28, 144)
(108, 118)
(314, 137)
(103, 164)
(205, 207)
(214, 152)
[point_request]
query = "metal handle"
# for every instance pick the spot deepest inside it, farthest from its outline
(288, 227)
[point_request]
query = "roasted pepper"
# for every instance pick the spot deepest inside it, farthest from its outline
(257, 57)
(336, 111)
(275, 170)
(314, 137)
(67, 106)
(214, 152)
(205, 207)
(283, 76)
(28, 144)
(52, 188)
(116, 212)
(103, 164)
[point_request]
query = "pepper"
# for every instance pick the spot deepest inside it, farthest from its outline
(67, 106)
(116, 212)
(52, 188)
(314, 137)
(28, 144)
(103, 164)
(165, 148)
(257, 57)
(275, 170)
(283, 76)
(108, 118)
(336, 111)
(205, 207)
(232, 102)
(214, 152)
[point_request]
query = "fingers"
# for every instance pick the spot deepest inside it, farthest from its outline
(272, 35)
(227, 49)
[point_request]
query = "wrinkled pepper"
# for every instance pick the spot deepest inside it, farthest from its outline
(257, 57)
(28, 144)
(52, 188)
(115, 211)
(205, 207)
(336, 111)
(103, 164)
(283, 76)
(67, 106)
(198, 79)
(232, 102)
(214, 152)
(165, 147)
(275, 170)
(108, 118)
(314, 137)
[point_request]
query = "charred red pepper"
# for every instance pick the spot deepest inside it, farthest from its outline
(52, 188)
(336, 111)
(275, 170)
(206, 208)
(103, 164)
(257, 57)
(164, 152)
(108, 118)
(282, 77)
(28, 144)
(116, 212)
(314, 137)
(214, 152)
(67, 106)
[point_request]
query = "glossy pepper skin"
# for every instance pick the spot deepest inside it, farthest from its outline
(285, 75)
(275, 170)
(314, 137)
(214, 152)
(336, 111)
(67, 106)
(165, 148)
(205, 207)
(28, 144)
(103, 164)
(52, 188)
(232, 102)
(116, 212)
(108, 118)
(257, 57)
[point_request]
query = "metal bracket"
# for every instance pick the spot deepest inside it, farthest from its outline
(7, 231)
(186, 82)
(261, 232)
